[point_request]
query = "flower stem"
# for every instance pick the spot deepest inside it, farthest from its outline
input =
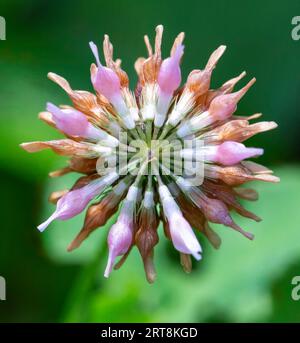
(78, 295)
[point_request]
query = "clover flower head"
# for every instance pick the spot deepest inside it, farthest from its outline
(149, 176)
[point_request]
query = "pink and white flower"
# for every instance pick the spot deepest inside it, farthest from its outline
(164, 110)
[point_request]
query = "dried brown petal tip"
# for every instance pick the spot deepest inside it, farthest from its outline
(55, 196)
(212, 236)
(186, 262)
(60, 172)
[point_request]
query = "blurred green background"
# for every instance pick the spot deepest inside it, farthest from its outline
(243, 281)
